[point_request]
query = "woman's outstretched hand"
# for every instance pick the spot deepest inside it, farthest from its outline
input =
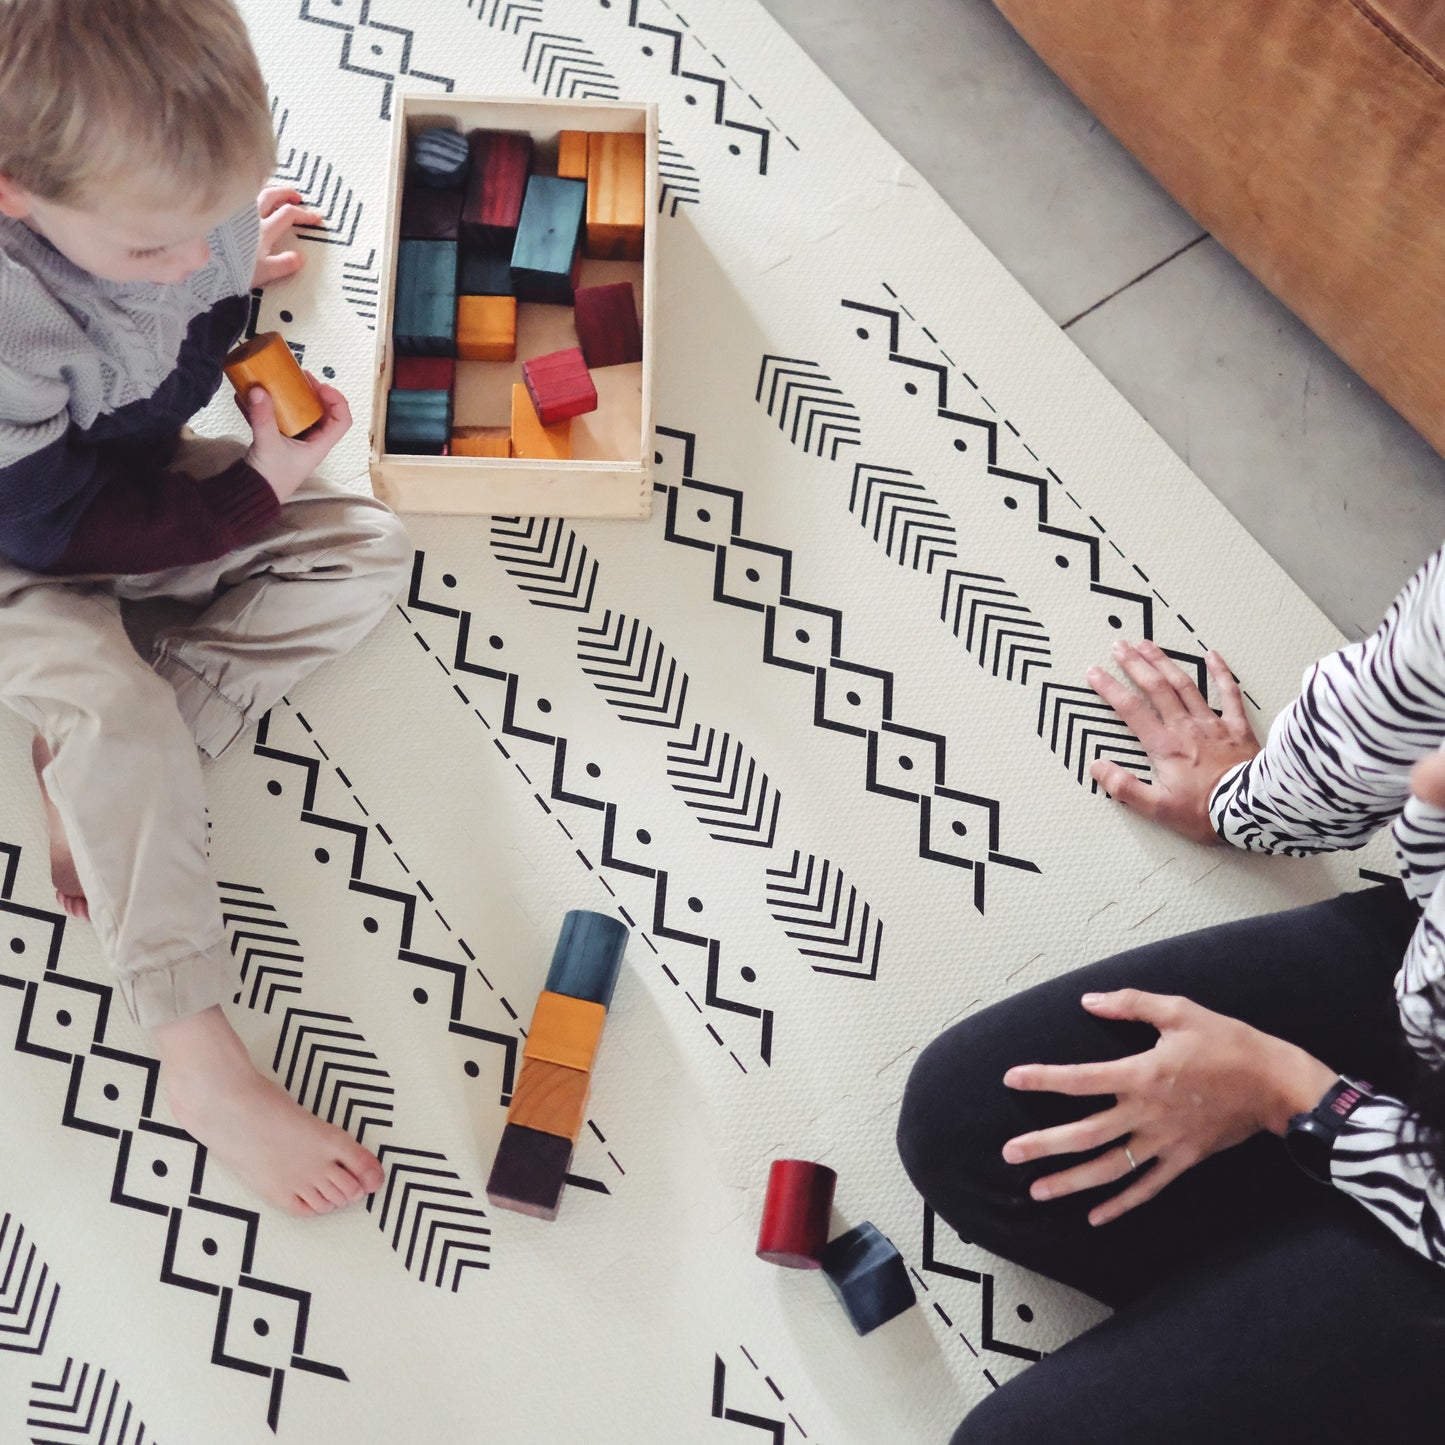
(1190, 747)
(1209, 1083)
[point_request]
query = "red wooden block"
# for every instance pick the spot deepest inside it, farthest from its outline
(424, 373)
(606, 318)
(560, 385)
(501, 163)
(796, 1211)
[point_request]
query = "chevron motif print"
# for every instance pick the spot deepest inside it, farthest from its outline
(724, 786)
(996, 627)
(28, 1295)
(810, 900)
(990, 1340)
(548, 560)
(322, 187)
(897, 512)
(324, 1063)
(429, 1217)
(1080, 726)
(361, 286)
(564, 66)
(260, 945)
(680, 185)
(709, 93)
(775, 1430)
(83, 1407)
(507, 15)
(812, 413)
(632, 670)
(369, 47)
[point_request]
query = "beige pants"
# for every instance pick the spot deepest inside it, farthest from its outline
(124, 729)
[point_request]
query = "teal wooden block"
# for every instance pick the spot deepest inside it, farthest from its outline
(424, 321)
(869, 1277)
(588, 956)
(547, 234)
(418, 422)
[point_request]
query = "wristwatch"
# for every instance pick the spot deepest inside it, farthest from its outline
(1310, 1137)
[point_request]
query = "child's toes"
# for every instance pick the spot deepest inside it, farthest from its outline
(345, 1183)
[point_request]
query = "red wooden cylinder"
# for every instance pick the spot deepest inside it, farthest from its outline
(796, 1213)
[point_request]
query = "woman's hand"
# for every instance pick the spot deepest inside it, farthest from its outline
(280, 208)
(1208, 1084)
(1189, 747)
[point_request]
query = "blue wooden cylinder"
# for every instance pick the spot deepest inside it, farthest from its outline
(440, 158)
(588, 956)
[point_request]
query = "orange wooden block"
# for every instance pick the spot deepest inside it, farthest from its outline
(572, 155)
(487, 328)
(616, 201)
(530, 438)
(266, 361)
(550, 1098)
(481, 441)
(565, 1030)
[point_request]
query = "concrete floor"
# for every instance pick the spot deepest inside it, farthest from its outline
(1345, 495)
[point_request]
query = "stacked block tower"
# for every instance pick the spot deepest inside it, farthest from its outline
(483, 233)
(549, 1103)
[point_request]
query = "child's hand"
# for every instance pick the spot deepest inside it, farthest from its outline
(1427, 779)
(286, 462)
(280, 208)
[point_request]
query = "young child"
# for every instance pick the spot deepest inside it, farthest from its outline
(135, 136)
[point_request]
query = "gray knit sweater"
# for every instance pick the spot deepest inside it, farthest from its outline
(96, 378)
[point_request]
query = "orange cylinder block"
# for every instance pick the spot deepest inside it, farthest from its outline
(266, 361)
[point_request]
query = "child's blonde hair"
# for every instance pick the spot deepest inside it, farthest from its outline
(96, 94)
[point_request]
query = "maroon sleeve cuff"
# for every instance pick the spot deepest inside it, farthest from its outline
(243, 500)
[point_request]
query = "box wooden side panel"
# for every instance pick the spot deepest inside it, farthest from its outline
(460, 486)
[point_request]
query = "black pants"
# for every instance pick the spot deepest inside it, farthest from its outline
(1251, 1303)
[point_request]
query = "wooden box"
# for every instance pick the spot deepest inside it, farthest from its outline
(610, 474)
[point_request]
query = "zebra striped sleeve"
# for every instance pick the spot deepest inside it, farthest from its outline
(1396, 1188)
(1336, 765)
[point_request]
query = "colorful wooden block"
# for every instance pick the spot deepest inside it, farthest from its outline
(572, 155)
(616, 195)
(550, 1098)
(425, 317)
(424, 373)
(869, 1276)
(486, 268)
(545, 255)
(501, 164)
(266, 361)
(607, 327)
(428, 215)
(439, 158)
(418, 422)
(796, 1213)
(560, 385)
(530, 438)
(565, 1030)
(487, 328)
(481, 441)
(588, 956)
(529, 1171)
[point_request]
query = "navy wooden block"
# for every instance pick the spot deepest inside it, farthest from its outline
(440, 158)
(486, 269)
(869, 1277)
(588, 956)
(428, 215)
(547, 239)
(529, 1171)
(418, 422)
(424, 322)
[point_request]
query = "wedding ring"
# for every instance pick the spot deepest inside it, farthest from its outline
(1133, 1163)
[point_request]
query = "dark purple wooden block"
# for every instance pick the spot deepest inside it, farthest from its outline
(529, 1171)
(428, 215)
(607, 326)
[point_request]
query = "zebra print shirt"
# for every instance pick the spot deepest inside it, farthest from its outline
(1335, 769)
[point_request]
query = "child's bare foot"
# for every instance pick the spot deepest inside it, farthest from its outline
(288, 1156)
(68, 892)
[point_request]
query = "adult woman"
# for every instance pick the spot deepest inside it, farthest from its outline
(1252, 1301)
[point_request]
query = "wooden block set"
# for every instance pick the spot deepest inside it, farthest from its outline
(866, 1272)
(484, 232)
(549, 1103)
